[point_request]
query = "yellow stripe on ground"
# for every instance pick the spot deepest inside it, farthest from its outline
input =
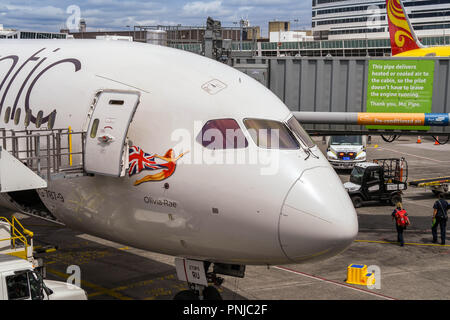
(412, 244)
(97, 288)
(142, 283)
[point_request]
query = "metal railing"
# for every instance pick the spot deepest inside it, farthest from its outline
(16, 234)
(46, 152)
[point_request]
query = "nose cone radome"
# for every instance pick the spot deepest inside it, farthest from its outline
(318, 219)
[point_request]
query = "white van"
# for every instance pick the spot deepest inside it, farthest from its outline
(20, 281)
(344, 152)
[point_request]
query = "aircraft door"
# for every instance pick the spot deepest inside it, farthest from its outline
(106, 149)
(374, 185)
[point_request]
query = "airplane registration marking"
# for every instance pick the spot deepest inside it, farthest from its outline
(52, 195)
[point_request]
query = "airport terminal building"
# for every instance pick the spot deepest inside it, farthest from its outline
(366, 19)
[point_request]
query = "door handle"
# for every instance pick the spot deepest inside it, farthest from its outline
(106, 138)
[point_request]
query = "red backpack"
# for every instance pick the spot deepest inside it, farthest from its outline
(402, 218)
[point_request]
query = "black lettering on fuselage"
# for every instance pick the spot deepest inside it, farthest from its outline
(77, 65)
(33, 58)
(14, 59)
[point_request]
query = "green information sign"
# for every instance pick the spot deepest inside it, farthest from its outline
(400, 86)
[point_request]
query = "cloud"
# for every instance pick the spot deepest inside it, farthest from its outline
(198, 8)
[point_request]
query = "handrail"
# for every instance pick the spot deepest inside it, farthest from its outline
(46, 152)
(16, 234)
(26, 231)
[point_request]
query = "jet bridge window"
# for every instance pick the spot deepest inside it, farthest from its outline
(17, 286)
(270, 134)
(222, 134)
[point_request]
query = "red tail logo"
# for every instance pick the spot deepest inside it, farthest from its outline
(402, 37)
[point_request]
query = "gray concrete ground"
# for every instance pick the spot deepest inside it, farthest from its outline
(417, 271)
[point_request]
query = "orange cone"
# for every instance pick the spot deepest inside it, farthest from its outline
(436, 142)
(418, 140)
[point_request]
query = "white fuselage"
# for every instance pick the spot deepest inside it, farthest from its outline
(213, 212)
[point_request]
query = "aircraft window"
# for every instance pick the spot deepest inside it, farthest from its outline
(117, 102)
(17, 287)
(301, 133)
(51, 120)
(7, 114)
(39, 119)
(27, 118)
(17, 116)
(222, 134)
(270, 134)
(94, 128)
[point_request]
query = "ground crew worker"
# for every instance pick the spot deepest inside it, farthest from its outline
(440, 218)
(401, 222)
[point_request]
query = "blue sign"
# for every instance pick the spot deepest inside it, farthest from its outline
(436, 119)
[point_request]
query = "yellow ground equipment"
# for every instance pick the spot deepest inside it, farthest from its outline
(15, 240)
(357, 274)
(436, 185)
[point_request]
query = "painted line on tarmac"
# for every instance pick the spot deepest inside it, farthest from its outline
(97, 288)
(335, 283)
(412, 244)
(413, 155)
(143, 283)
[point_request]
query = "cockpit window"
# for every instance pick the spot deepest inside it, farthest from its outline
(304, 137)
(270, 134)
(222, 134)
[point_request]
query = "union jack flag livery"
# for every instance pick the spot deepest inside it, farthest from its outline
(139, 160)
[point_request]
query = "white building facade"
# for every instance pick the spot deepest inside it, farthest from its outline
(366, 19)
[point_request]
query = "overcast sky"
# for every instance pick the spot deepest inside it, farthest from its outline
(48, 15)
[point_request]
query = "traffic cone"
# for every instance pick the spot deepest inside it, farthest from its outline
(418, 140)
(436, 142)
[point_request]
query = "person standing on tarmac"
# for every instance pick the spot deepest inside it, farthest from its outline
(440, 218)
(401, 222)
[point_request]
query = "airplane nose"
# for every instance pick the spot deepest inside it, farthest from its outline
(318, 219)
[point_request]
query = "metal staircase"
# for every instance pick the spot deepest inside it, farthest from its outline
(15, 240)
(31, 158)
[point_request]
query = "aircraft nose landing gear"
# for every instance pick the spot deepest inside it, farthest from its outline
(199, 279)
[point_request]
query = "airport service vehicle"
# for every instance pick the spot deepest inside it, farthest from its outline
(168, 152)
(404, 42)
(436, 185)
(345, 151)
(382, 180)
(20, 281)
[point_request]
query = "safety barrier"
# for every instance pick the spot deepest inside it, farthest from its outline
(25, 250)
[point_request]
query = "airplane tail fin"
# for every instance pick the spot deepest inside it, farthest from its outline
(401, 32)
